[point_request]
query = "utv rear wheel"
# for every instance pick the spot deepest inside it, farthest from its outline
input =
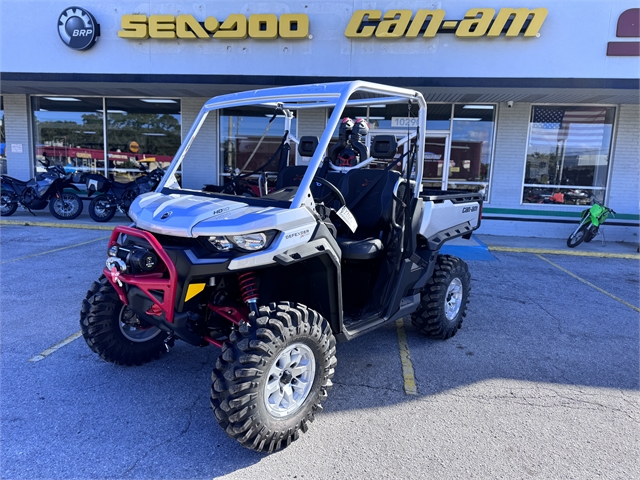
(444, 300)
(114, 332)
(273, 375)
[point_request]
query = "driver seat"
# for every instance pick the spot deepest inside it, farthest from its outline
(374, 212)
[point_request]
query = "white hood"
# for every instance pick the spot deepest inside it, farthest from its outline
(186, 215)
(177, 214)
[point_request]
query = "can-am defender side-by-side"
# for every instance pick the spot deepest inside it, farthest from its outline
(311, 242)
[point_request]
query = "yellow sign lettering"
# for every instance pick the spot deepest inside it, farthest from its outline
(162, 26)
(474, 25)
(435, 20)
(134, 26)
(234, 27)
(188, 27)
(294, 25)
(355, 28)
(211, 24)
(263, 26)
(395, 23)
(518, 17)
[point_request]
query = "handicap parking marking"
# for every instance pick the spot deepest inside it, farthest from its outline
(588, 283)
(54, 250)
(471, 249)
(55, 348)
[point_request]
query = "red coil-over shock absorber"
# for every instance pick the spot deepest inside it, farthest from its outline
(248, 290)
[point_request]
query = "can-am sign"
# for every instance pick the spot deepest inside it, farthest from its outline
(392, 24)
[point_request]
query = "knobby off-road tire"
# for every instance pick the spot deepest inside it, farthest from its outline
(444, 300)
(112, 330)
(591, 233)
(577, 237)
(272, 376)
(98, 210)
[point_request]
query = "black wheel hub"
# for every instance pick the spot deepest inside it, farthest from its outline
(286, 377)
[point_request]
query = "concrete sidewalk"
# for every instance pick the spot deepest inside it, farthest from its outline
(479, 247)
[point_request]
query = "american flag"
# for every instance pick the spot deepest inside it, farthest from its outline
(579, 127)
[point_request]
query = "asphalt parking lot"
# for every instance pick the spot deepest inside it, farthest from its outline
(541, 381)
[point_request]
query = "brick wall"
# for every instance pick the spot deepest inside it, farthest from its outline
(201, 164)
(17, 128)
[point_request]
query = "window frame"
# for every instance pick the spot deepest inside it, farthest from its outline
(105, 145)
(556, 206)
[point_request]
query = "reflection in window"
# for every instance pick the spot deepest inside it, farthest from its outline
(568, 154)
(141, 133)
(68, 132)
(471, 146)
(3, 142)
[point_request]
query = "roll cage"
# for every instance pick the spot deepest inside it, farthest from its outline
(338, 96)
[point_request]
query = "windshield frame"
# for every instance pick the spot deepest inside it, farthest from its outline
(336, 95)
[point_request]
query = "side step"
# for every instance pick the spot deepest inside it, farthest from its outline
(408, 305)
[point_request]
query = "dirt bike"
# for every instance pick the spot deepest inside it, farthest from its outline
(117, 196)
(591, 220)
(48, 187)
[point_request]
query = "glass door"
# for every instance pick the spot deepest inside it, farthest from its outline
(436, 160)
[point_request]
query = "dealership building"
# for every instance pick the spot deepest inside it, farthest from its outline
(537, 105)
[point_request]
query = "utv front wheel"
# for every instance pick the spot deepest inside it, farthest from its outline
(114, 332)
(273, 375)
(444, 300)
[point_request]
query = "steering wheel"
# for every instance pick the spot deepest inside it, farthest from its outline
(334, 192)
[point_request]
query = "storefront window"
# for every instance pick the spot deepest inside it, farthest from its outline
(242, 146)
(471, 147)
(3, 142)
(68, 131)
(141, 133)
(568, 154)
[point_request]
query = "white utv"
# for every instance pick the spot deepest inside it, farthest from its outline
(322, 240)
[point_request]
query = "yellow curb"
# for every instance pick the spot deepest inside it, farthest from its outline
(630, 256)
(31, 223)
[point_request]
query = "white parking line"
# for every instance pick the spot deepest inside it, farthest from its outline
(54, 250)
(56, 347)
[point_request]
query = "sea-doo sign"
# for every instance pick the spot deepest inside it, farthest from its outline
(78, 28)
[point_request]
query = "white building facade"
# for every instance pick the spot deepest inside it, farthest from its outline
(536, 105)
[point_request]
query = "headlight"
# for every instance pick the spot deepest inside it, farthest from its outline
(249, 242)
(221, 243)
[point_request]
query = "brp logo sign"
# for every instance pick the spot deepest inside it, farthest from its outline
(77, 28)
